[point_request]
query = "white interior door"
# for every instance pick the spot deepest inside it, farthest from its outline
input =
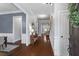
(64, 32)
(17, 27)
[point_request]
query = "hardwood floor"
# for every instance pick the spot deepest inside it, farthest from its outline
(39, 48)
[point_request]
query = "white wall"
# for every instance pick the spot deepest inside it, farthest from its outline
(61, 28)
(10, 37)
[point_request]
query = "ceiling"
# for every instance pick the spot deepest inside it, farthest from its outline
(7, 7)
(31, 8)
(37, 8)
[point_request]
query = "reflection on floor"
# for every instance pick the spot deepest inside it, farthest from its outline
(9, 48)
(39, 48)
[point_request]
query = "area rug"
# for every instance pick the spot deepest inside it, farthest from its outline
(9, 48)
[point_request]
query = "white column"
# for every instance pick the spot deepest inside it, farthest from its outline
(27, 30)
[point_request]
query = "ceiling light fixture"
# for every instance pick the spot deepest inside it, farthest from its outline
(42, 16)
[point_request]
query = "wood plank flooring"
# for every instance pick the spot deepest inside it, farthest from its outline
(39, 48)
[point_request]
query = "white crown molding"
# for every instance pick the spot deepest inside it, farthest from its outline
(20, 7)
(10, 12)
(26, 11)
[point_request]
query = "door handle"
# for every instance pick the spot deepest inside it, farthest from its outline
(61, 36)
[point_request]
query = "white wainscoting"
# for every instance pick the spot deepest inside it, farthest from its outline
(11, 39)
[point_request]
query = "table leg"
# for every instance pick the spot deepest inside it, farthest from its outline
(5, 38)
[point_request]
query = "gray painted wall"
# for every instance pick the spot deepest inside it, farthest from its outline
(6, 22)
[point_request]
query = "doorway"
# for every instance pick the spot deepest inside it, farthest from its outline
(17, 28)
